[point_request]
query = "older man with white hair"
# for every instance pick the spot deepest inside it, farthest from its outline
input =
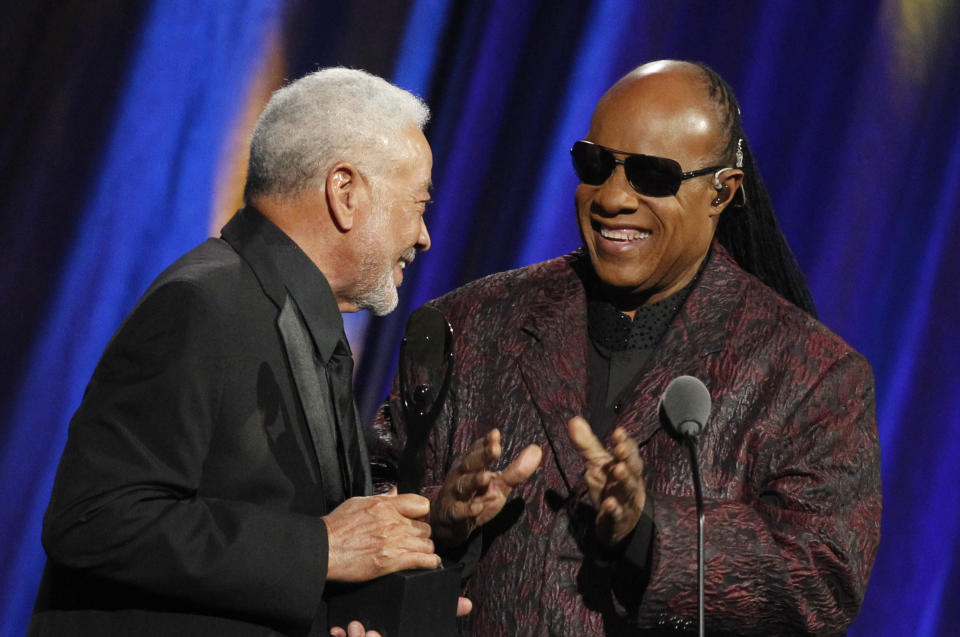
(215, 478)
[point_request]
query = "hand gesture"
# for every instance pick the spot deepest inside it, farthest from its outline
(379, 534)
(472, 495)
(614, 480)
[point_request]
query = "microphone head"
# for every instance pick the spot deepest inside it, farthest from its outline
(685, 405)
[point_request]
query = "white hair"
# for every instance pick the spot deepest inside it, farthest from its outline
(334, 114)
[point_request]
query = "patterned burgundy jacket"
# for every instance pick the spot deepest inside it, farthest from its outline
(790, 462)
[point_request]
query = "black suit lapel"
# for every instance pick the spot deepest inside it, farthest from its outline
(256, 239)
(312, 388)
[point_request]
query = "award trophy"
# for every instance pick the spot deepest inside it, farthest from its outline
(415, 602)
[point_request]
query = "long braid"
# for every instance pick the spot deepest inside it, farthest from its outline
(750, 232)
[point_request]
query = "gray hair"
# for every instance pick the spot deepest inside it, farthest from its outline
(334, 114)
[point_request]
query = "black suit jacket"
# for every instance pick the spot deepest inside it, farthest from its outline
(189, 495)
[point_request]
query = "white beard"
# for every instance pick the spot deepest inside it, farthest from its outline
(375, 290)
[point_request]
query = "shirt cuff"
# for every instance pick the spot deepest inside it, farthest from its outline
(640, 542)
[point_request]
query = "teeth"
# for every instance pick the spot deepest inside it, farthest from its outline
(623, 234)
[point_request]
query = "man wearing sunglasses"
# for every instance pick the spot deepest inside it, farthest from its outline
(683, 270)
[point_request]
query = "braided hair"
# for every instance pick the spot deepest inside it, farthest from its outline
(750, 231)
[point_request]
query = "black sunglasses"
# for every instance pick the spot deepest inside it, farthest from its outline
(651, 176)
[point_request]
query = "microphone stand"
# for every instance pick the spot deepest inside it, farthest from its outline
(685, 407)
(691, 445)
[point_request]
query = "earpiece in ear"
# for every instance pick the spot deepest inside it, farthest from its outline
(723, 193)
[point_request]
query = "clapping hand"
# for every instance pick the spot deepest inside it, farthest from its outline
(614, 480)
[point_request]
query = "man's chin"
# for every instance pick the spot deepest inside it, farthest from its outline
(383, 303)
(383, 310)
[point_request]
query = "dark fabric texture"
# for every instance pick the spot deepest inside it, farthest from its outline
(189, 495)
(789, 459)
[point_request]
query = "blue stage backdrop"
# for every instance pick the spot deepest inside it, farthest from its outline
(120, 123)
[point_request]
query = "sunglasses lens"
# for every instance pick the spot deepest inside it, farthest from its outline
(593, 164)
(650, 176)
(653, 176)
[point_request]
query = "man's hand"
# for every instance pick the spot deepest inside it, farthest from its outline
(472, 495)
(614, 481)
(379, 534)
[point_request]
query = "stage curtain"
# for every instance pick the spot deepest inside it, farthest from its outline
(117, 117)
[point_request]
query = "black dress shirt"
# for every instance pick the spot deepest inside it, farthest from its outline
(619, 350)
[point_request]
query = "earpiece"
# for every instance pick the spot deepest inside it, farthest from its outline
(723, 190)
(723, 193)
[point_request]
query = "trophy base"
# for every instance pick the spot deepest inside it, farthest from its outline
(404, 604)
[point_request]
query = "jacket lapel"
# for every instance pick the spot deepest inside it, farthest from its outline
(249, 233)
(553, 363)
(311, 383)
(696, 333)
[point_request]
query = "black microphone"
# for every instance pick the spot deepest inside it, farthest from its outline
(685, 406)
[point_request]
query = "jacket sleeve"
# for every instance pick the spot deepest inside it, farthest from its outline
(128, 503)
(794, 553)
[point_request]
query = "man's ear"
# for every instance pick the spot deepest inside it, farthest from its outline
(345, 190)
(726, 182)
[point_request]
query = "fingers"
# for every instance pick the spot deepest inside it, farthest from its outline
(355, 629)
(414, 543)
(627, 451)
(419, 528)
(372, 536)
(469, 509)
(466, 484)
(523, 466)
(482, 453)
(586, 443)
(469, 476)
(415, 560)
(625, 473)
(409, 505)
(464, 606)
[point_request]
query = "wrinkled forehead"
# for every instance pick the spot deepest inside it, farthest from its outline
(667, 114)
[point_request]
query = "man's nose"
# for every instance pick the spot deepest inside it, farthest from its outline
(616, 196)
(423, 241)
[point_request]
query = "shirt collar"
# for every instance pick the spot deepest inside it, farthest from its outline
(612, 330)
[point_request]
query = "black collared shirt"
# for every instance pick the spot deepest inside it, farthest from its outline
(619, 349)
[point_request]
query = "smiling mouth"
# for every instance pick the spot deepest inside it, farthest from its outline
(622, 235)
(407, 257)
